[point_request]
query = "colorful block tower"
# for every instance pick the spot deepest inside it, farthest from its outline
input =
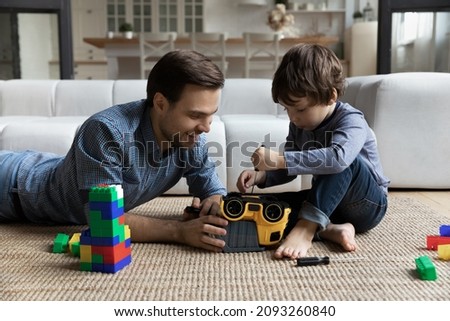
(106, 245)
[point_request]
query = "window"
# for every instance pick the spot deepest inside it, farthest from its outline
(115, 14)
(142, 15)
(193, 15)
(182, 16)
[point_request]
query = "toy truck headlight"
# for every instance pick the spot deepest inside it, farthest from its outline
(273, 212)
(233, 208)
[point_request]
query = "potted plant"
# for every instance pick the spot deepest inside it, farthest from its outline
(357, 16)
(127, 30)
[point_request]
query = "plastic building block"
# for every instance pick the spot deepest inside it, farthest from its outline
(60, 243)
(444, 230)
(425, 268)
(74, 244)
(444, 252)
(106, 245)
(433, 241)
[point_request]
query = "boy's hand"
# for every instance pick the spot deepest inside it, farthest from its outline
(264, 159)
(248, 178)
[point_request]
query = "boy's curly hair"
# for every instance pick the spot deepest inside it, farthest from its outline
(308, 70)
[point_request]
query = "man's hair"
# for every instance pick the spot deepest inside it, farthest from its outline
(308, 70)
(178, 68)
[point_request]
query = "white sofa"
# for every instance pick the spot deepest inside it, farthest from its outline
(409, 113)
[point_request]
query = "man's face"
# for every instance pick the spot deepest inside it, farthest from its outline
(182, 122)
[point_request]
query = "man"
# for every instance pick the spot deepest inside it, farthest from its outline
(146, 146)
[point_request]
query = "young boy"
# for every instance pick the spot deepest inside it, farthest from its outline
(331, 141)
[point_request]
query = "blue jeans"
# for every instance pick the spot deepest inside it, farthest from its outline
(352, 196)
(9, 164)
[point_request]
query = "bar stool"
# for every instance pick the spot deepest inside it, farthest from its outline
(152, 46)
(212, 45)
(262, 51)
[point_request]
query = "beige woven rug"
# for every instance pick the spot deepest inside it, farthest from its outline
(383, 268)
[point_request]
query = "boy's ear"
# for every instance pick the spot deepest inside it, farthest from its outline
(334, 97)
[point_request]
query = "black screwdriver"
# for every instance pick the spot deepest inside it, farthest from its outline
(313, 260)
(257, 170)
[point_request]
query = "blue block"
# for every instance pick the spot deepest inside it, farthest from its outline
(444, 230)
(85, 237)
(109, 210)
(99, 241)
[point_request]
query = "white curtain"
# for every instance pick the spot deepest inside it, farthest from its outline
(413, 41)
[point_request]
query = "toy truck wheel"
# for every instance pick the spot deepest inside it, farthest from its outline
(233, 208)
(273, 212)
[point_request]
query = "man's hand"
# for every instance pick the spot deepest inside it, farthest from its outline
(264, 159)
(209, 206)
(202, 232)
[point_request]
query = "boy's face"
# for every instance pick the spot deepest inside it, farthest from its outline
(305, 114)
(181, 123)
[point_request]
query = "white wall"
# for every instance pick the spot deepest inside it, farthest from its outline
(235, 18)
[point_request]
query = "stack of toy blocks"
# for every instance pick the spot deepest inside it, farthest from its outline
(106, 245)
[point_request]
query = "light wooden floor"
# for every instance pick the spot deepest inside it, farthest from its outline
(437, 200)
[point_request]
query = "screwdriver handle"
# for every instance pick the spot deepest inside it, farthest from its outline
(313, 260)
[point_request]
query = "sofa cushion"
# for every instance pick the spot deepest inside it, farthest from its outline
(82, 97)
(129, 90)
(27, 97)
(408, 113)
(6, 120)
(247, 96)
(53, 134)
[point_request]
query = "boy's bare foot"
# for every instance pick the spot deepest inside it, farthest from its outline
(297, 242)
(343, 234)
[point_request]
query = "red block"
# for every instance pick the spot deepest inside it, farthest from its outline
(112, 254)
(434, 240)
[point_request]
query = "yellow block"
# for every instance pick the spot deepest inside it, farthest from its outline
(127, 232)
(444, 251)
(86, 253)
(74, 239)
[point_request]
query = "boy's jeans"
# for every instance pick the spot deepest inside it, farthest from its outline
(352, 196)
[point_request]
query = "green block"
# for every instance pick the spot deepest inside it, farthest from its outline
(103, 193)
(60, 243)
(97, 258)
(76, 249)
(425, 268)
(104, 228)
(85, 266)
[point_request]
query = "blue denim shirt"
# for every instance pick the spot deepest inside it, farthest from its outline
(114, 146)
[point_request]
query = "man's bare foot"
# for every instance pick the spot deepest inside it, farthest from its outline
(343, 234)
(297, 242)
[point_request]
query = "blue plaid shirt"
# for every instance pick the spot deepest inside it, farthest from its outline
(114, 146)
